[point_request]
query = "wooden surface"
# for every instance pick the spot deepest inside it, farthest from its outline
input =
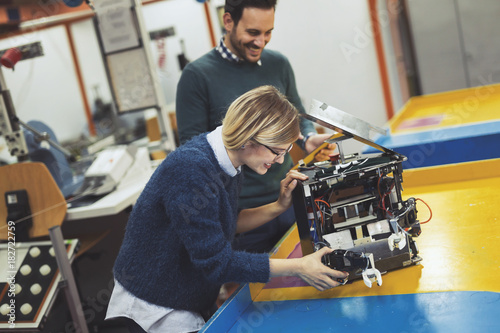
(48, 206)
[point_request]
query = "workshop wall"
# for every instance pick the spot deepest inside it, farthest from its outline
(331, 48)
(190, 26)
(45, 88)
(90, 61)
(331, 64)
(456, 43)
(329, 43)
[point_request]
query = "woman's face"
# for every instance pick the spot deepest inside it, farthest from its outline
(260, 158)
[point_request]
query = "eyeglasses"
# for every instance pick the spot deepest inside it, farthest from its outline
(278, 155)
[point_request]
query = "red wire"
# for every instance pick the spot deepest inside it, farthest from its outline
(319, 209)
(378, 186)
(382, 197)
(430, 210)
(319, 200)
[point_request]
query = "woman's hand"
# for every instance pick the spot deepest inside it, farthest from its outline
(315, 273)
(287, 185)
(310, 269)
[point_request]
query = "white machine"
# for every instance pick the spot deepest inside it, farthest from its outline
(115, 167)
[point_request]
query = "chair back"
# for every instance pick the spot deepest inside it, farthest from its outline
(46, 201)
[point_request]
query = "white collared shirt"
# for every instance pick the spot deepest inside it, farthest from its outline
(214, 138)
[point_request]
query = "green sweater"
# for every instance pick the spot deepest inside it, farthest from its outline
(210, 84)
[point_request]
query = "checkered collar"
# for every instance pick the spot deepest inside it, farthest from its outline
(228, 55)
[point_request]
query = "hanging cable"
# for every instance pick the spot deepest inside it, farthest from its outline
(430, 210)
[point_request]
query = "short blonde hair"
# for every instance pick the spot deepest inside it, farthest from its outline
(263, 115)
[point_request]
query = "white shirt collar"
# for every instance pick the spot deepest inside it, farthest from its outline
(215, 140)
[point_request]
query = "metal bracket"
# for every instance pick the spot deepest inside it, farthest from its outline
(28, 51)
(346, 124)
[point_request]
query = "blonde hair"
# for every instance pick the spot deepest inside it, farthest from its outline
(263, 115)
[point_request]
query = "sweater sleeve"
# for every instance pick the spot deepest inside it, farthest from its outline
(191, 106)
(193, 205)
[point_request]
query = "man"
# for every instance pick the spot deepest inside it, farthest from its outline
(238, 64)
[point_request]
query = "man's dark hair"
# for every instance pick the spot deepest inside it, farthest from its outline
(235, 7)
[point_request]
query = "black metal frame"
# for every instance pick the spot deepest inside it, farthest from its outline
(324, 178)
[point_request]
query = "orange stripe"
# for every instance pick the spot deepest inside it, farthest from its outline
(377, 35)
(209, 23)
(81, 84)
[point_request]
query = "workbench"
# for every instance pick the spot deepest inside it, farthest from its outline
(454, 289)
(449, 127)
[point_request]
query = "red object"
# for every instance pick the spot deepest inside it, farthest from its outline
(11, 57)
(334, 157)
(162, 54)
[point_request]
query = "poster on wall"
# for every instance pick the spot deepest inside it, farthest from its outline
(131, 80)
(116, 25)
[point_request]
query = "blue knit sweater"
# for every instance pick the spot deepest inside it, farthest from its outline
(177, 247)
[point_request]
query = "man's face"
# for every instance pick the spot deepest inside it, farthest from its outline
(251, 35)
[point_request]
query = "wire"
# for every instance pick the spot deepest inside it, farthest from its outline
(430, 210)
(320, 211)
(378, 185)
(382, 197)
(323, 201)
(64, 202)
(322, 243)
(366, 159)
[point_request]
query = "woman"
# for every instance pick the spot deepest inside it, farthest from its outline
(177, 251)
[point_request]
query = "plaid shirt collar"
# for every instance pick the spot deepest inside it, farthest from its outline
(228, 55)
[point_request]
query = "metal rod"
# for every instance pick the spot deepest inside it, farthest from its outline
(70, 289)
(341, 152)
(45, 136)
(3, 86)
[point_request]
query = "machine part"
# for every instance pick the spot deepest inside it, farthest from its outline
(339, 240)
(10, 57)
(46, 136)
(415, 230)
(346, 124)
(5, 127)
(346, 261)
(371, 275)
(9, 128)
(377, 228)
(16, 143)
(353, 263)
(395, 241)
(361, 209)
(107, 170)
(115, 167)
